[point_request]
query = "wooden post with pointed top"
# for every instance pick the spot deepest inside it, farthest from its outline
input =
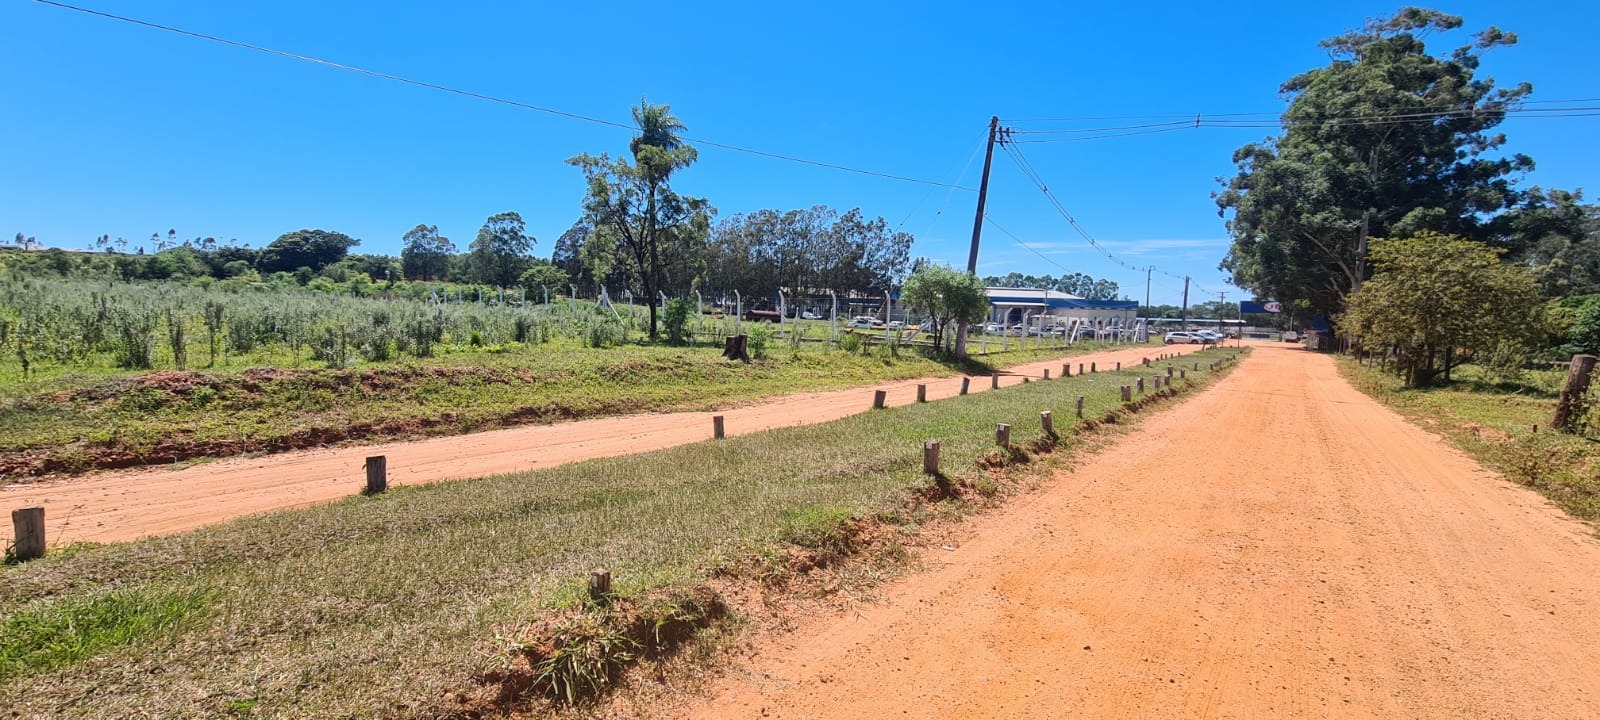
(878, 399)
(965, 383)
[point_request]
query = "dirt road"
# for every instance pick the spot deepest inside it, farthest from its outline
(128, 505)
(1280, 546)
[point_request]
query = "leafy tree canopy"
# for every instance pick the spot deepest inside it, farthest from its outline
(500, 252)
(315, 249)
(425, 254)
(1386, 140)
(947, 296)
(1435, 296)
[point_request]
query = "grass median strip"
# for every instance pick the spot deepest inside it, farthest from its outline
(81, 422)
(384, 606)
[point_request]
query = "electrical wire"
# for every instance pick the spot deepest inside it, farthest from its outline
(486, 97)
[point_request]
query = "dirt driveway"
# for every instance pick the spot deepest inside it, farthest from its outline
(127, 505)
(1280, 546)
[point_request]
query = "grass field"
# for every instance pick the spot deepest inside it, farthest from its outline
(77, 422)
(388, 606)
(1495, 424)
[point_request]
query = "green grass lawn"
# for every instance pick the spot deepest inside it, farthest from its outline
(76, 422)
(1495, 424)
(387, 606)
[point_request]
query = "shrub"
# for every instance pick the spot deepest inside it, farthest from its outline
(760, 336)
(676, 320)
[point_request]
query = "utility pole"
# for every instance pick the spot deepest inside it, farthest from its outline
(1184, 314)
(1147, 272)
(977, 226)
(1222, 311)
(983, 196)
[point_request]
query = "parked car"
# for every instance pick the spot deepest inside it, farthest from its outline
(1210, 336)
(897, 325)
(1291, 336)
(992, 329)
(1184, 338)
(865, 321)
(808, 315)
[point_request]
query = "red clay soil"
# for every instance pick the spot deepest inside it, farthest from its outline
(1279, 546)
(126, 505)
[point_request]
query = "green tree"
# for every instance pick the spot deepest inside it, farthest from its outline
(500, 252)
(1386, 140)
(947, 296)
(1433, 297)
(315, 249)
(635, 203)
(544, 275)
(425, 254)
(1559, 236)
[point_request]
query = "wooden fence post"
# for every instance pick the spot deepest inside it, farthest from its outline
(930, 457)
(1140, 385)
(28, 526)
(965, 382)
(1080, 368)
(878, 398)
(994, 381)
(377, 474)
(599, 583)
(1047, 423)
(1066, 369)
(1047, 373)
(1119, 366)
(1169, 371)
(1183, 374)
(922, 393)
(1091, 367)
(1569, 408)
(1127, 393)
(1080, 406)
(717, 428)
(1002, 435)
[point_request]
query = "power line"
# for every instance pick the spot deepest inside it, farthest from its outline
(1198, 121)
(1033, 176)
(1188, 117)
(484, 97)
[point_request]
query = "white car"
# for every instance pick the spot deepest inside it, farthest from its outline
(1184, 338)
(808, 315)
(896, 325)
(865, 321)
(1210, 336)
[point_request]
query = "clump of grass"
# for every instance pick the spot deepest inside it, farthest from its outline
(58, 633)
(576, 656)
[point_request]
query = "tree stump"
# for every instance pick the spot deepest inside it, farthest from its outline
(737, 347)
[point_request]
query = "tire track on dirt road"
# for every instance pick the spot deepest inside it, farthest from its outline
(126, 505)
(1280, 545)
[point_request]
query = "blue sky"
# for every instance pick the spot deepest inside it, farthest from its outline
(114, 128)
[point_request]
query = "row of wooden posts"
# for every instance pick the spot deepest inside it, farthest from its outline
(28, 523)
